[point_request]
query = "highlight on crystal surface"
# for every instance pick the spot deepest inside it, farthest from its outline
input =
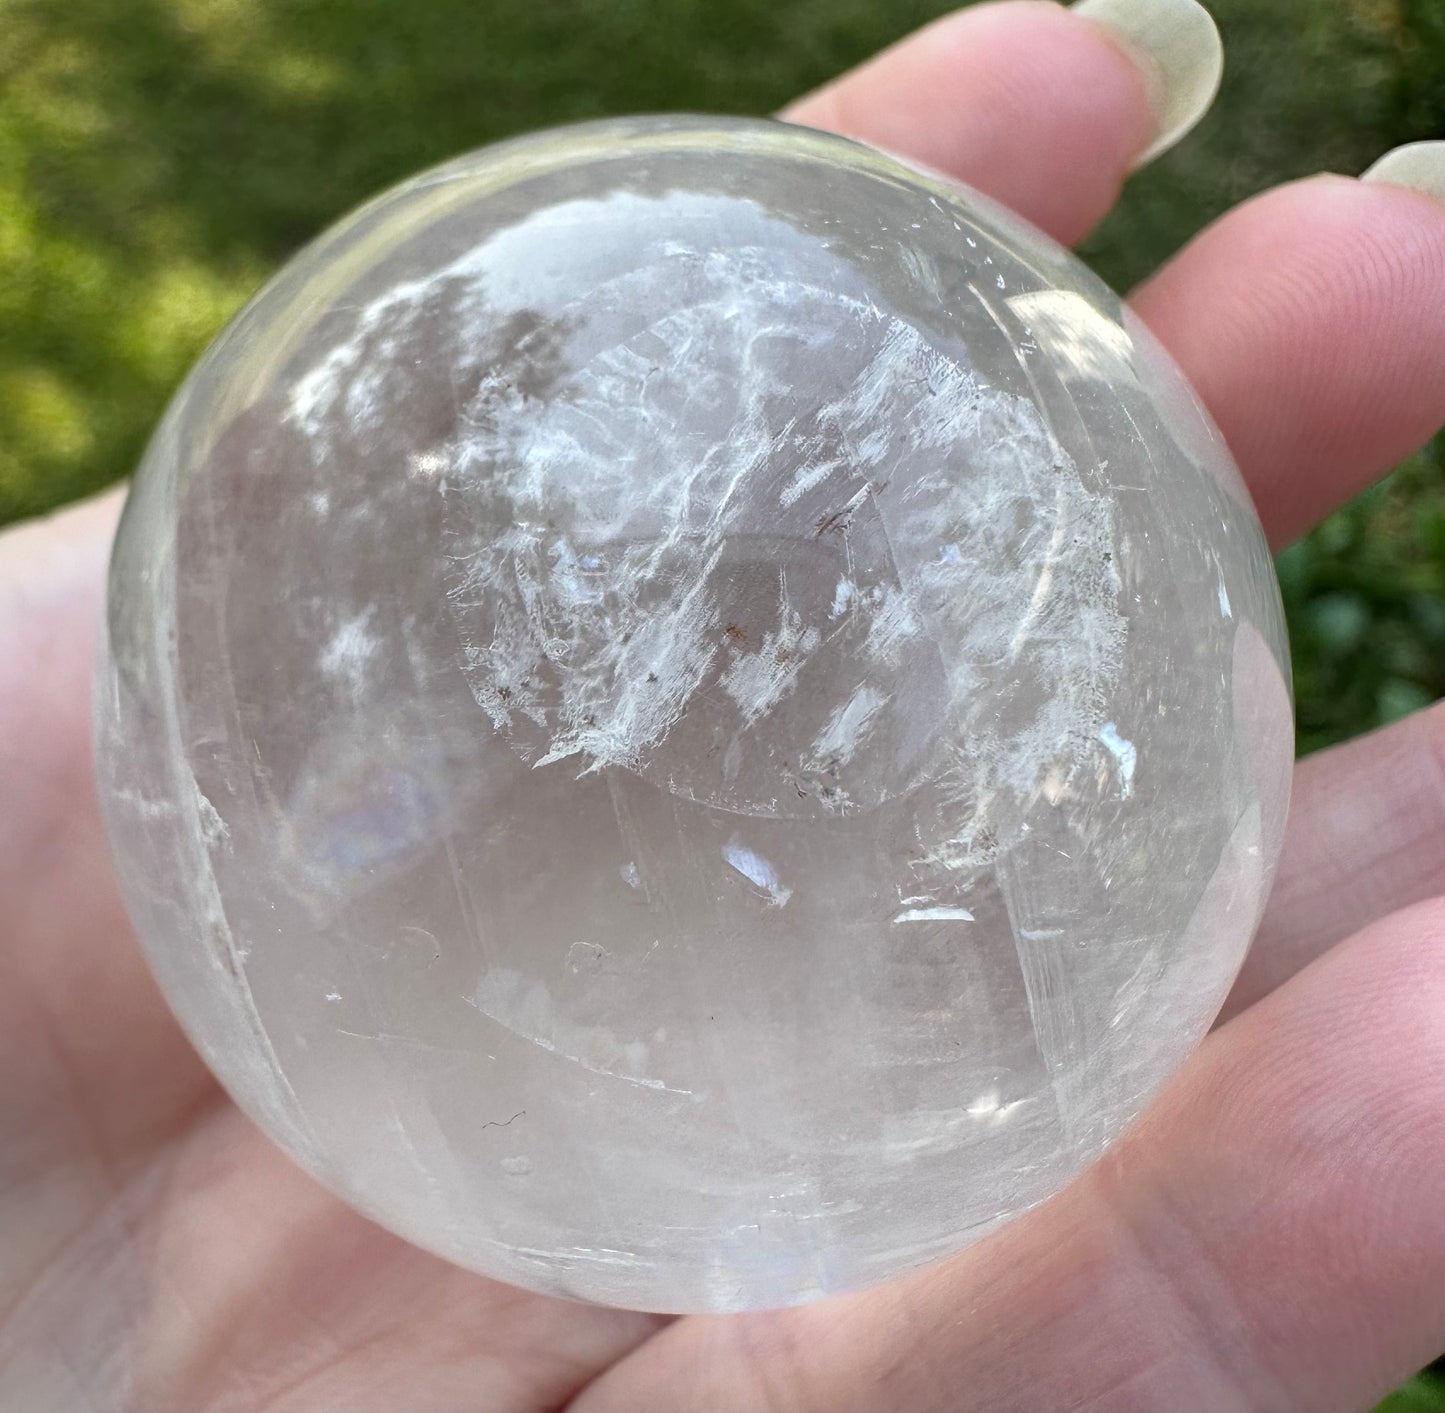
(692, 717)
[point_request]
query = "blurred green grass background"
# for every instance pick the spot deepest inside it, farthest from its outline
(159, 158)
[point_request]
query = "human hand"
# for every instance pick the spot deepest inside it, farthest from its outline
(1271, 1235)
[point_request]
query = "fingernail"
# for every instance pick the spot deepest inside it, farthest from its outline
(1177, 49)
(1420, 165)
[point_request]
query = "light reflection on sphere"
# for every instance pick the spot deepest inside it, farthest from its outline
(693, 717)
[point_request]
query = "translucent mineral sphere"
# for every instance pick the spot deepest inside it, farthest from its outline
(693, 717)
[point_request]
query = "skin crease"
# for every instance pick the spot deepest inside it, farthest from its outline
(1271, 1235)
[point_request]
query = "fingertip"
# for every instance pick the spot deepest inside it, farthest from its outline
(1418, 166)
(1029, 102)
(73, 536)
(1180, 55)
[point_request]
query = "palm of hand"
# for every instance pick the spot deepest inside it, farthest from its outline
(1270, 1235)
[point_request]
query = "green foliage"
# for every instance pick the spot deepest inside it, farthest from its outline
(1425, 1393)
(158, 158)
(1366, 614)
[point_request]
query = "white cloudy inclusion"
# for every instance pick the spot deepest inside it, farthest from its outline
(693, 718)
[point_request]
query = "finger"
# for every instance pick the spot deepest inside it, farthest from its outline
(1272, 1235)
(224, 1277)
(96, 1072)
(1024, 100)
(1308, 320)
(1366, 836)
(149, 1256)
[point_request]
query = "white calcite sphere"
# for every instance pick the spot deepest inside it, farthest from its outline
(693, 717)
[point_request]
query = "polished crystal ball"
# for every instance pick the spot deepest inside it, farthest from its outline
(693, 716)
